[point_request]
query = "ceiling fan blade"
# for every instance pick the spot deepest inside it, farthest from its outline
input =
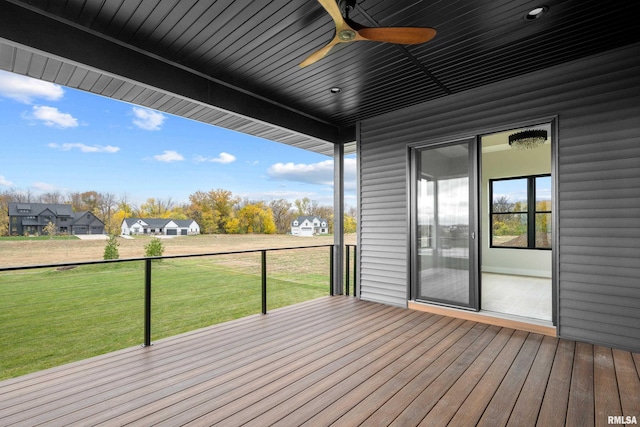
(332, 8)
(399, 35)
(319, 54)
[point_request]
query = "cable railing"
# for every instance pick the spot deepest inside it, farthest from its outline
(57, 313)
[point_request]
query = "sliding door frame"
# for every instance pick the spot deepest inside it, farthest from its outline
(412, 175)
(474, 248)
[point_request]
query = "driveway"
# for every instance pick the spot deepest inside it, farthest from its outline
(92, 236)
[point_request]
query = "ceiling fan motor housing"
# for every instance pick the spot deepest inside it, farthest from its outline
(346, 6)
(347, 35)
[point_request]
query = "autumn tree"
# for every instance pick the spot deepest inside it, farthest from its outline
(305, 206)
(107, 207)
(85, 201)
(20, 196)
(123, 210)
(349, 224)
(256, 218)
(179, 212)
(53, 197)
(223, 204)
(5, 198)
(202, 211)
(325, 212)
(155, 208)
(217, 211)
(282, 215)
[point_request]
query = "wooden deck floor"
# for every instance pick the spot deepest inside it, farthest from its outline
(336, 360)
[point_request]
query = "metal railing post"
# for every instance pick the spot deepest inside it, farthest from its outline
(264, 282)
(348, 269)
(331, 270)
(355, 270)
(147, 303)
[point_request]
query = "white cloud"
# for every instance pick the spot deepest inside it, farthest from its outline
(26, 89)
(85, 148)
(284, 194)
(320, 173)
(148, 119)
(5, 182)
(222, 158)
(169, 156)
(51, 116)
(314, 173)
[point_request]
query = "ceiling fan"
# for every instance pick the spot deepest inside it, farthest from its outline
(349, 31)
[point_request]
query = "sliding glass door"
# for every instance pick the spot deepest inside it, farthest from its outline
(445, 224)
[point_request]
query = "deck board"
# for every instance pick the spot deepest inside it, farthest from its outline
(412, 406)
(336, 361)
(581, 399)
(628, 382)
(501, 405)
(534, 387)
(606, 396)
(553, 411)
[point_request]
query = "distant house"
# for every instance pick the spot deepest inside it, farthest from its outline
(32, 218)
(309, 226)
(159, 226)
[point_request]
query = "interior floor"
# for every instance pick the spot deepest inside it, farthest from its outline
(517, 295)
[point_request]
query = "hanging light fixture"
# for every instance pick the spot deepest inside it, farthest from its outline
(527, 139)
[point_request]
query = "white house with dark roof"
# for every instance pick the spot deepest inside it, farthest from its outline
(309, 226)
(159, 226)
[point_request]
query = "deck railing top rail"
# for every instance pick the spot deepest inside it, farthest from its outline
(78, 263)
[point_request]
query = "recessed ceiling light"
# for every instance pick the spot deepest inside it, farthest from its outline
(536, 13)
(335, 90)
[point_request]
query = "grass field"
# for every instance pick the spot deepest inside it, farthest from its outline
(51, 316)
(19, 251)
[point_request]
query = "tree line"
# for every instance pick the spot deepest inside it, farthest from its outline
(216, 211)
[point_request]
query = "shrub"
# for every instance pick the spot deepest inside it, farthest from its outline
(111, 249)
(154, 247)
(50, 229)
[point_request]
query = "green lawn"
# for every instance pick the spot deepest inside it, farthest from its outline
(50, 317)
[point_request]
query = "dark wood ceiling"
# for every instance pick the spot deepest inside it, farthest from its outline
(256, 46)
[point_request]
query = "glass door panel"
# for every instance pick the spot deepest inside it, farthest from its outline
(444, 225)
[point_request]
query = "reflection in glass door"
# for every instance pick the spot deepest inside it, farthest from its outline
(445, 225)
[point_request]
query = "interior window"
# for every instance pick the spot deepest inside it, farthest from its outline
(521, 212)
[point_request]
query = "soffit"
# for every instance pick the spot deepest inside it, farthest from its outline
(253, 49)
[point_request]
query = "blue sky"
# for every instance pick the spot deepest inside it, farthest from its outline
(515, 190)
(60, 139)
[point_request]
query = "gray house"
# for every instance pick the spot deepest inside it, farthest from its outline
(32, 218)
(435, 127)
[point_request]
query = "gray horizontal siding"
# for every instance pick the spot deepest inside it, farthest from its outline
(383, 224)
(597, 102)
